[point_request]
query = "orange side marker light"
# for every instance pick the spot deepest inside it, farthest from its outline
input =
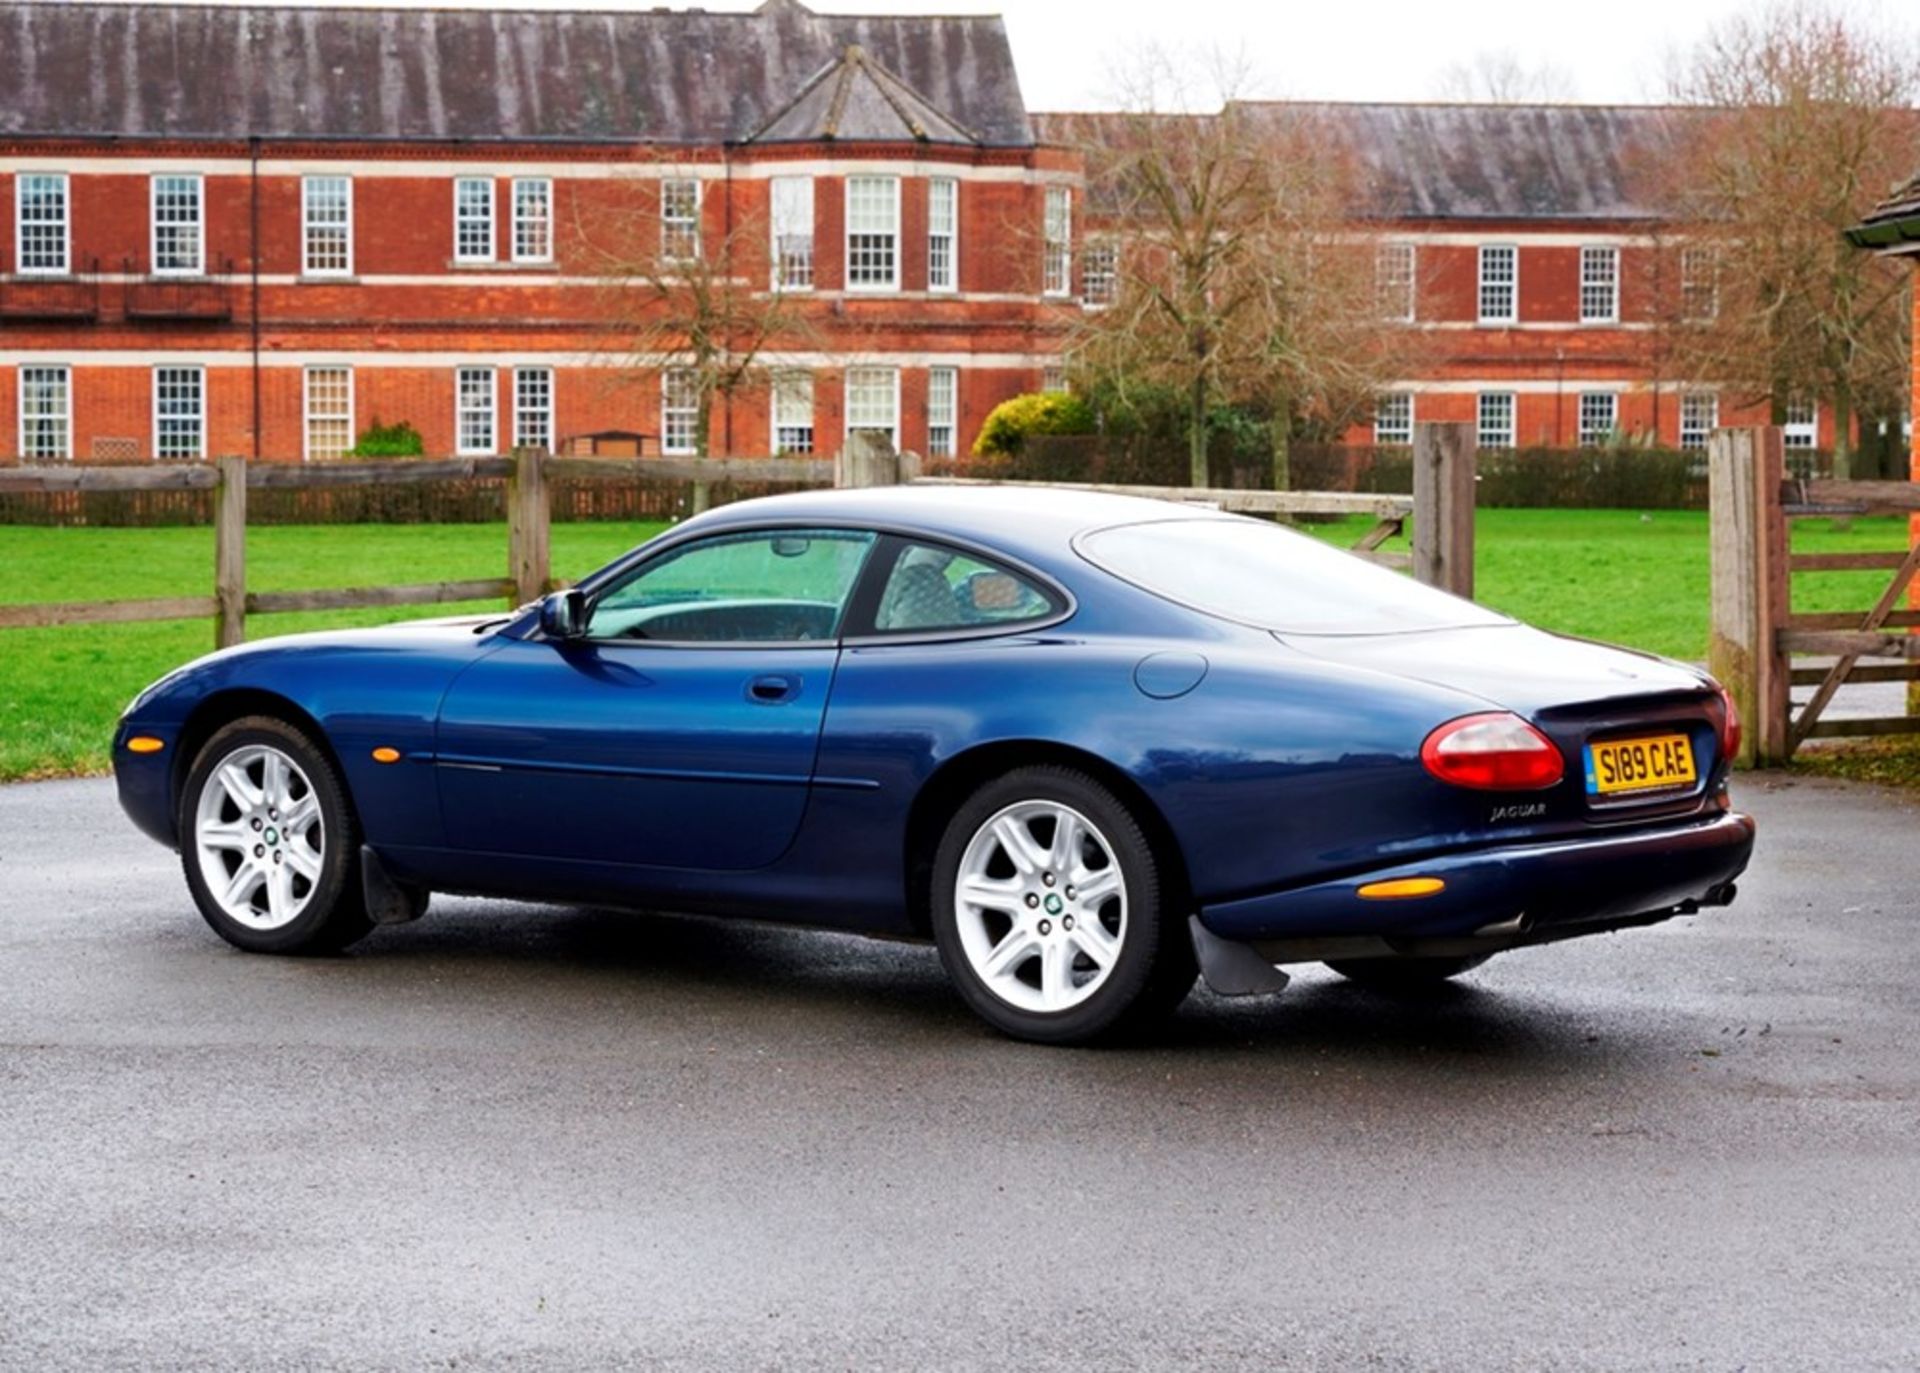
(145, 743)
(384, 754)
(1402, 889)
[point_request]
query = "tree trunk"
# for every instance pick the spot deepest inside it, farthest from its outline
(1197, 474)
(1842, 446)
(1280, 438)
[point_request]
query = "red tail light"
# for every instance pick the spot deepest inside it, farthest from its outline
(1493, 752)
(1729, 725)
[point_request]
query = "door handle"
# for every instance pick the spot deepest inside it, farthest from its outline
(773, 690)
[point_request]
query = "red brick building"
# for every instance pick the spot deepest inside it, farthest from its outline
(260, 230)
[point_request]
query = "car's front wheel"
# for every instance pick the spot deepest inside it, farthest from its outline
(269, 841)
(1404, 974)
(1052, 912)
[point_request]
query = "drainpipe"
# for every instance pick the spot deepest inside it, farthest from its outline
(253, 268)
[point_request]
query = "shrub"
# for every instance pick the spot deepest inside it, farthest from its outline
(1014, 421)
(400, 440)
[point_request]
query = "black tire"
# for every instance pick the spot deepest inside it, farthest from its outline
(334, 913)
(1154, 969)
(1406, 974)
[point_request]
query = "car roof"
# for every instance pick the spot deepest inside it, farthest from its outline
(1037, 521)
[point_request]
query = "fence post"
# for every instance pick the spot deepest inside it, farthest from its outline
(1445, 458)
(1748, 542)
(867, 459)
(529, 526)
(230, 553)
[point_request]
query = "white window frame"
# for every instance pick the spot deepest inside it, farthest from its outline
(789, 387)
(1511, 284)
(1800, 425)
(1510, 437)
(1590, 434)
(1695, 429)
(1699, 276)
(160, 381)
(1395, 272)
(526, 223)
(199, 223)
(1053, 380)
(943, 411)
(682, 413)
(20, 222)
(892, 233)
(943, 232)
(462, 447)
(306, 406)
(680, 233)
(521, 410)
(462, 219)
(1599, 284)
(893, 374)
(308, 225)
(1393, 419)
(1099, 261)
(791, 218)
(65, 417)
(1056, 264)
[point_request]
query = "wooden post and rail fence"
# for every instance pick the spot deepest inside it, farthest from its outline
(1756, 635)
(1441, 508)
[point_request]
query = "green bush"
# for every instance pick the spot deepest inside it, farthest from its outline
(400, 440)
(1014, 421)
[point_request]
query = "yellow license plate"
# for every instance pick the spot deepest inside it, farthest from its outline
(1659, 762)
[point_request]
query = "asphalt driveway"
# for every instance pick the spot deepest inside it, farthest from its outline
(515, 1137)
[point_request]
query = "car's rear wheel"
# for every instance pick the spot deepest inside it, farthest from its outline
(1052, 911)
(1404, 974)
(269, 841)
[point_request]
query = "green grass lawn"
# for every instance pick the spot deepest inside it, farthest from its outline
(1607, 574)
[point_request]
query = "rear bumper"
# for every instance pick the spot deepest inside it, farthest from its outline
(1587, 881)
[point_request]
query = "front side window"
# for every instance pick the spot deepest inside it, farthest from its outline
(933, 588)
(1496, 426)
(1802, 424)
(475, 396)
(179, 412)
(680, 219)
(532, 219)
(328, 412)
(1699, 417)
(873, 402)
(1599, 417)
(1393, 419)
(873, 233)
(792, 198)
(793, 412)
(765, 586)
(41, 238)
(943, 409)
(179, 225)
(679, 412)
(1393, 278)
(473, 219)
(327, 217)
(533, 408)
(1099, 274)
(1599, 285)
(1057, 261)
(943, 234)
(1499, 284)
(46, 414)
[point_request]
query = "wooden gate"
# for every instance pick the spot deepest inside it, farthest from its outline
(1756, 635)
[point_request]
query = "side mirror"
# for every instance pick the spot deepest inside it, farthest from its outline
(563, 615)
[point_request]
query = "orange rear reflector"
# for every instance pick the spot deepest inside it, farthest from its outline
(142, 743)
(1401, 889)
(386, 755)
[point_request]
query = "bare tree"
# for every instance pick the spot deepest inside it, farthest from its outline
(1499, 77)
(1792, 124)
(691, 291)
(1236, 271)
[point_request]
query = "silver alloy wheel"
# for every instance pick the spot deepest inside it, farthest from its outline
(1040, 904)
(259, 835)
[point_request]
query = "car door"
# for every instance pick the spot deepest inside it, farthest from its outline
(680, 731)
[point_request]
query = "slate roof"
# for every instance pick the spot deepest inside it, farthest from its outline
(1894, 225)
(1472, 162)
(858, 99)
(681, 77)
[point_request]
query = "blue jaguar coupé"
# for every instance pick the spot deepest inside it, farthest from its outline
(1091, 746)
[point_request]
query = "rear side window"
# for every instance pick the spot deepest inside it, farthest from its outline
(1259, 574)
(932, 588)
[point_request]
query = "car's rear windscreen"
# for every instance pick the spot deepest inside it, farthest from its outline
(1272, 578)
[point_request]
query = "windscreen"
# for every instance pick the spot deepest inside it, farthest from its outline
(1272, 578)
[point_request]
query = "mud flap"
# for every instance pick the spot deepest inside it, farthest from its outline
(389, 902)
(1233, 969)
